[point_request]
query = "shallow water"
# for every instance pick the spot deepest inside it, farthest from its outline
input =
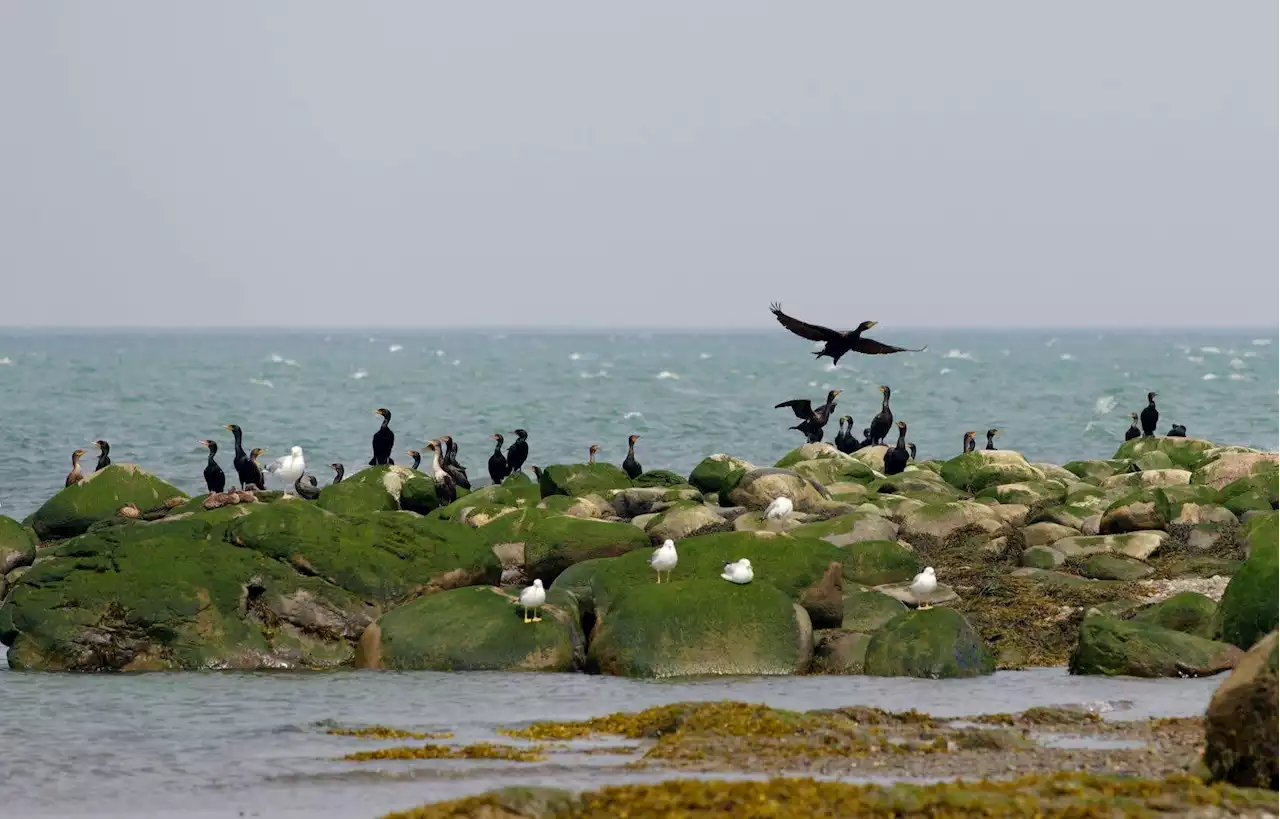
(227, 745)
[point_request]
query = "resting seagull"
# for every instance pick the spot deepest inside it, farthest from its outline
(779, 509)
(664, 559)
(738, 572)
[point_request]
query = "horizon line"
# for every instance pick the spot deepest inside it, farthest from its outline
(482, 328)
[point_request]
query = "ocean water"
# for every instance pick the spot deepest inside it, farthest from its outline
(1057, 396)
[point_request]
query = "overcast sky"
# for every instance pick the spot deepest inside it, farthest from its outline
(329, 163)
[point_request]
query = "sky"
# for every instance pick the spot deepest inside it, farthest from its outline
(322, 163)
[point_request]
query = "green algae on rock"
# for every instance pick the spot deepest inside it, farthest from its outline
(1187, 611)
(376, 489)
(581, 479)
(936, 643)
(478, 628)
(1134, 648)
(719, 473)
(975, 471)
(659, 478)
(1240, 723)
(1185, 453)
(550, 543)
(1248, 608)
(17, 545)
(99, 497)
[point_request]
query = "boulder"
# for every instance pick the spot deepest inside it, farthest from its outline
(827, 471)
(1053, 472)
(1255, 493)
(839, 651)
(629, 503)
(756, 522)
(936, 643)
(701, 626)
(551, 543)
(1220, 470)
(1010, 514)
(942, 594)
(975, 471)
(851, 528)
(99, 497)
(1042, 557)
(875, 562)
(1046, 533)
(582, 479)
(871, 456)
(1249, 605)
(761, 487)
(479, 628)
(1095, 472)
(719, 473)
(1149, 461)
(824, 600)
(1240, 723)
(17, 545)
(866, 610)
(1158, 507)
(941, 520)
(1111, 647)
(1105, 566)
(1152, 478)
(685, 519)
(591, 506)
(1027, 493)
(659, 477)
(1187, 611)
(1137, 545)
(921, 484)
(1185, 453)
(379, 489)
(811, 452)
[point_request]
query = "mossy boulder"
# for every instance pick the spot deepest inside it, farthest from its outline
(1255, 493)
(1137, 545)
(1045, 533)
(1220, 470)
(1153, 460)
(1095, 472)
(942, 520)
(549, 543)
(1149, 478)
(378, 489)
(1042, 557)
(719, 473)
(99, 497)
(1185, 453)
(701, 626)
(975, 471)
(811, 452)
(761, 487)
(1111, 646)
(1248, 608)
(875, 562)
(17, 545)
(659, 477)
(581, 479)
(854, 527)
(1187, 611)
(827, 471)
(937, 643)
(1029, 493)
(1240, 723)
(919, 483)
(866, 610)
(1105, 566)
(479, 628)
(685, 519)
(1157, 507)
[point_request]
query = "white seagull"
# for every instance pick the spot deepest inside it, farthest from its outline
(922, 587)
(531, 598)
(779, 509)
(664, 559)
(738, 572)
(289, 468)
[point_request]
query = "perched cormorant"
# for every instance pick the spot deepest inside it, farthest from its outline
(383, 440)
(338, 471)
(1133, 431)
(245, 471)
(912, 447)
(417, 458)
(537, 473)
(1150, 416)
(1176, 431)
(866, 438)
(445, 488)
(895, 460)
(629, 464)
(811, 420)
(969, 444)
(215, 480)
(838, 343)
(498, 469)
(518, 452)
(991, 438)
(306, 487)
(844, 439)
(591, 453)
(883, 422)
(449, 460)
(75, 476)
(104, 454)
(258, 478)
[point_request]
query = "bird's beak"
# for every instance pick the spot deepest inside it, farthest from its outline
(227, 427)
(203, 444)
(871, 324)
(995, 432)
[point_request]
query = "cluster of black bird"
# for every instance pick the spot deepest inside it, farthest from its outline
(1149, 417)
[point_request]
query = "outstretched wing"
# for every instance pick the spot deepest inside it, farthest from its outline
(813, 332)
(277, 464)
(869, 346)
(800, 406)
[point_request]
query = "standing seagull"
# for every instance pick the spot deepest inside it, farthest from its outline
(104, 454)
(289, 468)
(812, 420)
(383, 440)
(532, 597)
(838, 343)
(664, 559)
(215, 480)
(518, 452)
(922, 587)
(1150, 416)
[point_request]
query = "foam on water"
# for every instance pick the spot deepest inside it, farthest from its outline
(1105, 404)
(1208, 377)
(358, 374)
(667, 374)
(1261, 342)
(261, 382)
(1213, 350)
(958, 354)
(395, 348)
(1066, 357)
(1237, 364)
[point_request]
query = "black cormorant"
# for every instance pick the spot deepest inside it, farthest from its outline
(1133, 431)
(306, 487)
(912, 447)
(215, 480)
(629, 464)
(866, 438)
(969, 444)
(591, 453)
(838, 343)
(883, 422)
(338, 471)
(449, 461)
(895, 459)
(498, 469)
(844, 439)
(1150, 416)
(991, 438)
(518, 452)
(417, 458)
(104, 454)
(446, 490)
(245, 471)
(383, 440)
(1176, 431)
(811, 420)
(75, 476)
(259, 478)
(537, 473)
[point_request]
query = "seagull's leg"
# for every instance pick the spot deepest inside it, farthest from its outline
(659, 575)
(536, 618)
(525, 612)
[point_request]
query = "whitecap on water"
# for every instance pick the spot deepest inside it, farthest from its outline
(394, 348)
(596, 374)
(813, 383)
(6, 361)
(629, 415)
(455, 362)
(1236, 377)
(1261, 342)
(1249, 354)
(704, 356)
(1051, 342)
(831, 367)
(1006, 352)
(1237, 364)
(667, 374)
(1213, 350)
(1196, 359)
(275, 358)
(958, 354)
(1104, 404)
(1066, 357)
(358, 374)
(1208, 377)
(944, 371)
(575, 356)
(261, 382)
(439, 353)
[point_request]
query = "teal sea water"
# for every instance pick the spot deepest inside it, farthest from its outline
(1057, 395)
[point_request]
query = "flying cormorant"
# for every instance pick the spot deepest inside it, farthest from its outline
(215, 480)
(306, 487)
(1133, 431)
(245, 471)
(498, 469)
(895, 459)
(883, 422)
(417, 458)
(383, 440)
(991, 438)
(811, 420)
(629, 464)
(104, 454)
(969, 444)
(1150, 416)
(75, 476)
(838, 343)
(445, 488)
(338, 471)
(518, 452)
(591, 453)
